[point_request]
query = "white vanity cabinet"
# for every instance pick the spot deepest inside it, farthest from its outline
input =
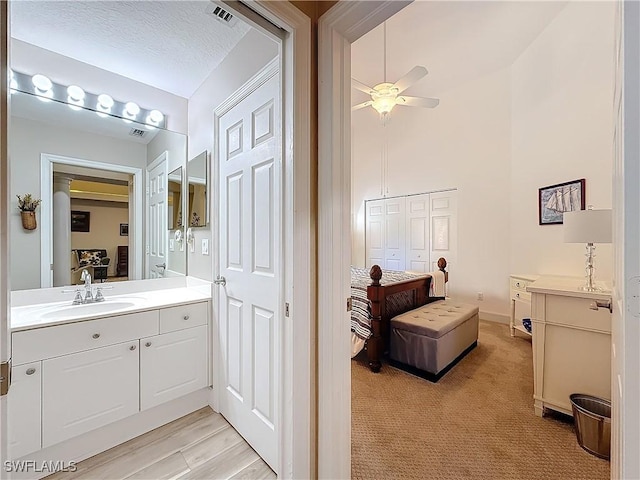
(73, 378)
(25, 409)
(87, 390)
(172, 365)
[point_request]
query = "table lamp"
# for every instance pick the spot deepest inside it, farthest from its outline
(588, 226)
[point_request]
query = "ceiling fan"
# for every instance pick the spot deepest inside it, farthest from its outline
(385, 96)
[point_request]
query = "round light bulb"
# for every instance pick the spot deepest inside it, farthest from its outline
(41, 82)
(132, 109)
(156, 116)
(105, 101)
(76, 94)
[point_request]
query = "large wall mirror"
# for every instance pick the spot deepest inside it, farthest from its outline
(198, 175)
(92, 171)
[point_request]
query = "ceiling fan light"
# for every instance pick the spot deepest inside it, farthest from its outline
(384, 105)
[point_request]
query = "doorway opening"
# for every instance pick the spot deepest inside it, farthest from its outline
(57, 175)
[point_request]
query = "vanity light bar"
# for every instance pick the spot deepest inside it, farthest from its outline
(74, 96)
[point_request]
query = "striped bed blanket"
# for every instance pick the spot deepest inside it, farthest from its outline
(360, 306)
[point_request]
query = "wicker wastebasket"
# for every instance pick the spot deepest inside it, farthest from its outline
(592, 416)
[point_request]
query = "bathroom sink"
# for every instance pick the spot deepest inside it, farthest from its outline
(74, 311)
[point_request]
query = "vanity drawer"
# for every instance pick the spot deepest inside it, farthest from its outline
(576, 312)
(58, 340)
(183, 316)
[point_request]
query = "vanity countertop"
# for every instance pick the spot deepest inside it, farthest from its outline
(57, 313)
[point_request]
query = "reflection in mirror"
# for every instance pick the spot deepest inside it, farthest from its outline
(198, 188)
(174, 199)
(78, 145)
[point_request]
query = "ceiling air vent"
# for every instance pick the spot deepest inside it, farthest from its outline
(220, 14)
(137, 132)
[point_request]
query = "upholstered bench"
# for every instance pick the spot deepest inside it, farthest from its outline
(430, 339)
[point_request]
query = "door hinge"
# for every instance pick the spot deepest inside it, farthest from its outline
(5, 377)
(286, 310)
(349, 304)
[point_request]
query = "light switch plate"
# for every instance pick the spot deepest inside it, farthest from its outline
(172, 245)
(192, 246)
(205, 246)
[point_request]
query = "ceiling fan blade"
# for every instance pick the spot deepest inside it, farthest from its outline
(417, 101)
(361, 105)
(361, 86)
(415, 74)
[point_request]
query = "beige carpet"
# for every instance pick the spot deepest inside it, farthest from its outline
(476, 422)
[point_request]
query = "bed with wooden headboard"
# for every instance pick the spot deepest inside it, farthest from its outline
(376, 297)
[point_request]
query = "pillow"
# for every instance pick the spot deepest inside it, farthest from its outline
(87, 257)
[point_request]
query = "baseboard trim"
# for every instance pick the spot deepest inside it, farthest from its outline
(96, 441)
(494, 317)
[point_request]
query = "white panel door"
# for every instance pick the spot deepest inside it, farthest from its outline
(444, 230)
(87, 390)
(172, 365)
(157, 221)
(394, 244)
(25, 409)
(375, 233)
(417, 234)
(250, 259)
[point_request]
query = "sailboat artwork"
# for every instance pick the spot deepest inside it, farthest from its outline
(557, 199)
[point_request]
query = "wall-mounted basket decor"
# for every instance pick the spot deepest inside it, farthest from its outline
(27, 206)
(29, 220)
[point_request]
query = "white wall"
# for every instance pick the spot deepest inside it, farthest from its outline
(104, 228)
(252, 53)
(463, 144)
(29, 59)
(562, 130)
(28, 139)
(498, 138)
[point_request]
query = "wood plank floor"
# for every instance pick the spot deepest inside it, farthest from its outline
(201, 445)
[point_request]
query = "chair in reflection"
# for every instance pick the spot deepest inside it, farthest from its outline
(94, 260)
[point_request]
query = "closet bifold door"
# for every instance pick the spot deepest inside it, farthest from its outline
(417, 233)
(374, 241)
(394, 232)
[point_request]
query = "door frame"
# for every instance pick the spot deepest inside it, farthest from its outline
(46, 214)
(625, 329)
(5, 206)
(298, 370)
(344, 23)
(338, 28)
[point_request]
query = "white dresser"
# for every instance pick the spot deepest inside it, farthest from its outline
(571, 342)
(518, 284)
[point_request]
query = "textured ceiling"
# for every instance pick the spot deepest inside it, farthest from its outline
(456, 41)
(171, 45)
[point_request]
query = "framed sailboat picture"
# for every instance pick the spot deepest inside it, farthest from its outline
(554, 200)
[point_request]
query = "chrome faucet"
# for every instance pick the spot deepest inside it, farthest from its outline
(88, 294)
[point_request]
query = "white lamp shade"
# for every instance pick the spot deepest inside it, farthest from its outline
(587, 226)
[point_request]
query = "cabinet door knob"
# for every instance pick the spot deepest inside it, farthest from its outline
(518, 295)
(31, 371)
(96, 335)
(148, 344)
(186, 317)
(132, 347)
